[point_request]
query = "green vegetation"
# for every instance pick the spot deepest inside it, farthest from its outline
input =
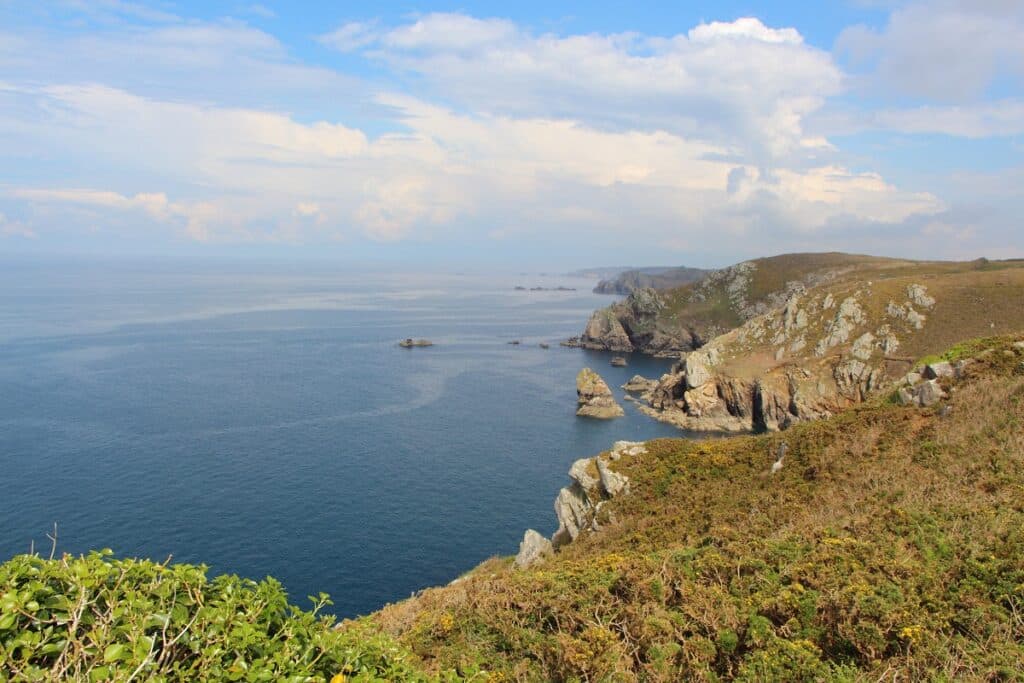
(97, 618)
(888, 547)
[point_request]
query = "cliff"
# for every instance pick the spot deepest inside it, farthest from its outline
(833, 344)
(665, 322)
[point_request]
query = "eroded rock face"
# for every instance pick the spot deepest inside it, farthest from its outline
(697, 366)
(613, 483)
(533, 549)
(605, 331)
(633, 325)
(578, 504)
(839, 328)
(594, 397)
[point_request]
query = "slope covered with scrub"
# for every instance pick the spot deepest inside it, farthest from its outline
(833, 344)
(683, 318)
(888, 546)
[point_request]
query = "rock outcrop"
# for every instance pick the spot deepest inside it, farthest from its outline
(635, 325)
(594, 397)
(533, 549)
(581, 506)
(578, 506)
(816, 354)
(638, 384)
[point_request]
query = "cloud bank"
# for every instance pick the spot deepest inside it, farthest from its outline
(713, 141)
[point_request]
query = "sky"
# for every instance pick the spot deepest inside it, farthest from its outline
(556, 135)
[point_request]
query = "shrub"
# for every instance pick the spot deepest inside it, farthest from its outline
(97, 618)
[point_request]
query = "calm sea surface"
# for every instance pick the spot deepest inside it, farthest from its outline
(263, 421)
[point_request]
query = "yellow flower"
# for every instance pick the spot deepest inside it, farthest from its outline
(338, 678)
(912, 634)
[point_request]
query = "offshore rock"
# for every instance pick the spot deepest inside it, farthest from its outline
(639, 384)
(594, 397)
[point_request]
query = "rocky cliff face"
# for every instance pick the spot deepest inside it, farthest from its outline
(635, 325)
(669, 321)
(580, 507)
(816, 354)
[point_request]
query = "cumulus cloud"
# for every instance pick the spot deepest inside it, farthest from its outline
(738, 84)
(696, 141)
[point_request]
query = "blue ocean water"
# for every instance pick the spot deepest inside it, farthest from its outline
(264, 422)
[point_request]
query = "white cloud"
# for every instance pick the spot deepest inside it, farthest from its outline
(948, 50)
(698, 141)
(740, 85)
(246, 175)
(746, 27)
(351, 36)
(973, 121)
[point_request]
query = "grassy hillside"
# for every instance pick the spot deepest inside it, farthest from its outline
(731, 296)
(888, 547)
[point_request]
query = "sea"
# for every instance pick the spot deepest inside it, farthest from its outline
(262, 420)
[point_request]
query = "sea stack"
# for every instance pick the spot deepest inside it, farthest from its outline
(594, 397)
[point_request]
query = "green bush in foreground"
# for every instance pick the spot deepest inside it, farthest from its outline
(97, 618)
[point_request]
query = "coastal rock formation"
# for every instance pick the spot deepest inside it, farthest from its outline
(578, 506)
(638, 384)
(668, 322)
(533, 549)
(634, 325)
(594, 397)
(816, 354)
(411, 343)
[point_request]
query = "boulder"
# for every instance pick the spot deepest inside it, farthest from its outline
(594, 397)
(928, 393)
(639, 384)
(532, 549)
(936, 370)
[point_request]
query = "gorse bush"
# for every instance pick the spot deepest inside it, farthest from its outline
(97, 618)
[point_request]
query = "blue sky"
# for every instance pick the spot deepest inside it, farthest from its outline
(527, 134)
